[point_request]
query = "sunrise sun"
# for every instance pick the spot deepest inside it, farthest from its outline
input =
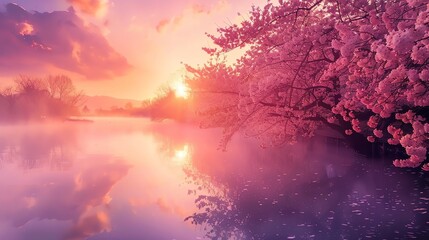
(181, 90)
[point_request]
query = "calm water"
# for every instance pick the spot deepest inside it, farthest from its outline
(132, 179)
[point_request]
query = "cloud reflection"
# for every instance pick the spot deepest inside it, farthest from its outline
(63, 196)
(87, 226)
(92, 198)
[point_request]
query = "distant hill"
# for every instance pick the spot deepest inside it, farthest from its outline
(105, 102)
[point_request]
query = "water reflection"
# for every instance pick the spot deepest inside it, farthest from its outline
(131, 179)
(181, 155)
(35, 146)
(306, 192)
(105, 180)
(81, 199)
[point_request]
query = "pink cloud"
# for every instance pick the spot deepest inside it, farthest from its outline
(91, 7)
(193, 9)
(163, 24)
(61, 39)
(199, 9)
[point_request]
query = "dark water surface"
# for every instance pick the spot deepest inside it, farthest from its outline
(132, 179)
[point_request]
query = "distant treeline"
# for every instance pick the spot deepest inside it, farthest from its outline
(34, 98)
(167, 106)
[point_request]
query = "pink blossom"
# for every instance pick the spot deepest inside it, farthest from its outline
(321, 63)
(401, 41)
(372, 121)
(426, 127)
(419, 152)
(424, 75)
(374, 19)
(356, 128)
(414, 3)
(412, 75)
(420, 53)
(331, 119)
(382, 53)
(385, 114)
(378, 133)
(406, 140)
(392, 141)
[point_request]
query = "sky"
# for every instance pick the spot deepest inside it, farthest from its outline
(125, 49)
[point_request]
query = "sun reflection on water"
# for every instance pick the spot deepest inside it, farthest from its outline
(182, 155)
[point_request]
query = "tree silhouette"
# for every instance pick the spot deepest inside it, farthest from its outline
(38, 98)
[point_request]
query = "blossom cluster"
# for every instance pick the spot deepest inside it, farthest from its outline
(360, 66)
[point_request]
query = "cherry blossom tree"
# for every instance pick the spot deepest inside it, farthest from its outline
(358, 66)
(216, 97)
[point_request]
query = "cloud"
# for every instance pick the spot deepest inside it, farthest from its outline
(162, 24)
(30, 41)
(192, 10)
(92, 7)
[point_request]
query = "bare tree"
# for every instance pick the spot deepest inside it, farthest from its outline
(29, 85)
(61, 87)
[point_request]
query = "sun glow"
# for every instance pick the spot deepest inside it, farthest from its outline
(181, 156)
(181, 90)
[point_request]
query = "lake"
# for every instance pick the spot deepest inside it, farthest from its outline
(126, 178)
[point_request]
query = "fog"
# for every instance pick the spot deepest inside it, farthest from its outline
(117, 178)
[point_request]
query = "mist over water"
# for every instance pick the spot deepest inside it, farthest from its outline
(311, 191)
(120, 178)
